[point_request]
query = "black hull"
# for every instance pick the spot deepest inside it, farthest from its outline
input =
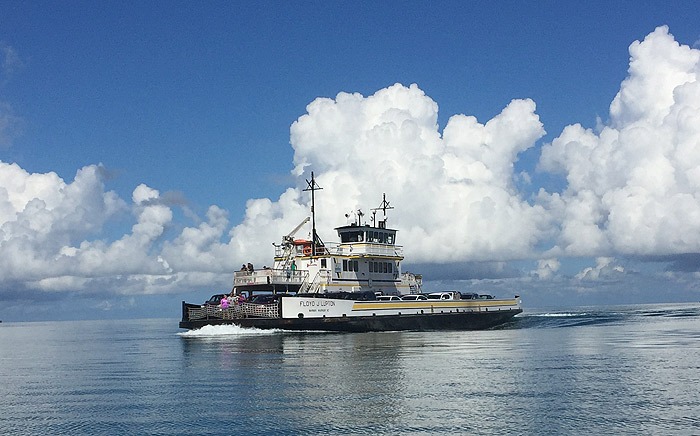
(424, 322)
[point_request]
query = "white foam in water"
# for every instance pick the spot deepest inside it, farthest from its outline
(559, 315)
(209, 331)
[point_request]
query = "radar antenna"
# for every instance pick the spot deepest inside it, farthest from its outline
(383, 207)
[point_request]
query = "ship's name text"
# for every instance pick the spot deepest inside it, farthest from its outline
(320, 303)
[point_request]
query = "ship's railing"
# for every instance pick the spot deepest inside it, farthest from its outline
(349, 249)
(258, 310)
(289, 252)
(269, 276)
(355, 248)
(236, 311)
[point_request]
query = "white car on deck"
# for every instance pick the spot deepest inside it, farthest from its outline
(388, 298)
(414, 297)
(448, 295)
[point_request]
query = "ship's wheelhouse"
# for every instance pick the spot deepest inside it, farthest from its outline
(374, 235)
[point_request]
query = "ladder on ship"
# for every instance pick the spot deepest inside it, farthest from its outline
(313, 286)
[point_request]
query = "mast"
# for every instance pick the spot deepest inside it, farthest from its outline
(383, 207)
(313, 187)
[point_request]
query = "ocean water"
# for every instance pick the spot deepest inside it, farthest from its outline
(603, 370)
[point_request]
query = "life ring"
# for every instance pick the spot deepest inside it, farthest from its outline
(307, 251)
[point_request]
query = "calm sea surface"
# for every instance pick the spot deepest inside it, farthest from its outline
(612, 370)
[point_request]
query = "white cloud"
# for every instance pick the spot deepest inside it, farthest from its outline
(10, 61)
(546, 268)
(40, 215)
(634, 188)
(11, 126)
(143, 194)
(200, 248)
(44, 223)
(455, 191)
(605, 268)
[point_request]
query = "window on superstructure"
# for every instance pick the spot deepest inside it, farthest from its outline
(351, 265)
(323, 263)
(351, 236)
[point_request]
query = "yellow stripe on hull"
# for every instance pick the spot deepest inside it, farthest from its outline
(423, 304)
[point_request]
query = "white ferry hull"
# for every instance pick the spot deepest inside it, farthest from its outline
(321, 314)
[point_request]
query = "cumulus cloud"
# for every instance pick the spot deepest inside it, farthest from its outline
(546, 269)
(634, 187)
(51, 238)
(200, 249)
(46, 223)
(455, 190)
(605, 268)
(46, 213)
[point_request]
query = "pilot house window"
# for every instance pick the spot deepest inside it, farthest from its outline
(356, 236)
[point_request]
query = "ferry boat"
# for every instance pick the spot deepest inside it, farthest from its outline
(354, 285)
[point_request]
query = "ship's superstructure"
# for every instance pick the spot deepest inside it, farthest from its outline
(367, 258)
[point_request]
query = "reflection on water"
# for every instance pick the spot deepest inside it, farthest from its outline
(611, 371)
(304, 377)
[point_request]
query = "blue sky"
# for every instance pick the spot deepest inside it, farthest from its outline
(195, 100)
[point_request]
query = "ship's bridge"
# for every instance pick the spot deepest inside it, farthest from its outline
(366, 240)
(376, 235)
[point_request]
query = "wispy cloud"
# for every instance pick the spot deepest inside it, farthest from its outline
(11, 125)
(10, 61)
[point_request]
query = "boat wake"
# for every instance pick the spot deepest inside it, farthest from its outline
(602, 315)
(217, 331)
